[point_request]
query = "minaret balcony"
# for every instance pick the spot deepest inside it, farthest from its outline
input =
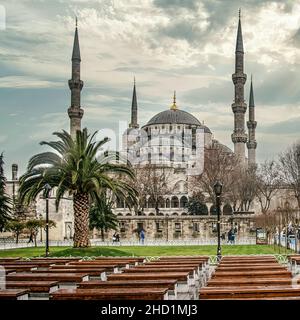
(239, 107)
(239, 78)
(75, 84)
(251, 124)
(251, 144)
(75, 112)
(239, 137)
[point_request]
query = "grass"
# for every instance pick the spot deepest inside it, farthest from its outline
(144, 251)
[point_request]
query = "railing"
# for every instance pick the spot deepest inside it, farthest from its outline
(291, 242)
(11, 244)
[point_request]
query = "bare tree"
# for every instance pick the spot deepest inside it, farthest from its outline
(219, 165)
(268, 184)
(269, 222)
(151, 182)
(290, 168)
(243, 188)
(157, 183)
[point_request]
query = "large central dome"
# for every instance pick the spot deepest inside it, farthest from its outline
(174, 116)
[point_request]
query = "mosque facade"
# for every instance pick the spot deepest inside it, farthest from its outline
(174, 143)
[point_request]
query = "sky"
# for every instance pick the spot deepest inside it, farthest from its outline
(182, 45)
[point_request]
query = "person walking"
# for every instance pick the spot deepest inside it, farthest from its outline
(142, 236)
(229, 236)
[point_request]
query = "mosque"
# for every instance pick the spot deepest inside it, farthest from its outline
(174, 142)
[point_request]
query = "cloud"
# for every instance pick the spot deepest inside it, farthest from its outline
(187, 46)
(26, 82)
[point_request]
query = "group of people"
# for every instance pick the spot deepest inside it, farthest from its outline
(230, 236)
(116, 237)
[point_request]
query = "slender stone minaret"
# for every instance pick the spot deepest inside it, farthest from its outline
(134, 108)
(239, 107)
(75, 111)
(251, 124)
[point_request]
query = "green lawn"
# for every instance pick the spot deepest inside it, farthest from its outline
(144, 251)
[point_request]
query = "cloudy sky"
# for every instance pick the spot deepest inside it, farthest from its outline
(182, 45)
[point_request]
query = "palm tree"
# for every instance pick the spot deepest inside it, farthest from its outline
(5, 201)
(102, 217)
(75, 167)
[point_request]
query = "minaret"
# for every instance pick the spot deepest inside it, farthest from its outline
(251, 124)
(134, 108)
(75, 111)
(239, 107)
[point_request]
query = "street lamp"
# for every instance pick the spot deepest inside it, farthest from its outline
(41, 218)
(167, 217)
(298, 183)
(47, 188)
(279, 232)
(218, 191)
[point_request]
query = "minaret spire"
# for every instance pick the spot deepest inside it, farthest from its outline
(134, 107)
(251, 124)
(75, 111)
(239, 107)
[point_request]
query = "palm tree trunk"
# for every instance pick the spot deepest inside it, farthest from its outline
(81, 220)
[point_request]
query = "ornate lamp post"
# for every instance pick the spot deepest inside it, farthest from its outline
(298, 182)
(167, 223)
(218, 191)
(47, 188)
(279, 232)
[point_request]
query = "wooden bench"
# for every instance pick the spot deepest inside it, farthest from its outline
(33, 286)
(251, 292)
(9, 259)
(20, 268)
(13, 294)
(243, 282)
(89, 271)
(170, 284)
(185, 285)
(192, 271)
(251, 274)
(251, 267)
(69, 280)
(111, 294)
(105, 267)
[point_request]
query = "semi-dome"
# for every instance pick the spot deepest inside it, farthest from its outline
(176, 116)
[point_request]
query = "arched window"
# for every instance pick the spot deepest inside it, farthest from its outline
(167, 203)
(120, 203)
(151, 203)
(161, 202)
(151, 214)
(227, 209)
(203, 210)
(174, 214)
(174, 202)
(213, 210)
(183, 202)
